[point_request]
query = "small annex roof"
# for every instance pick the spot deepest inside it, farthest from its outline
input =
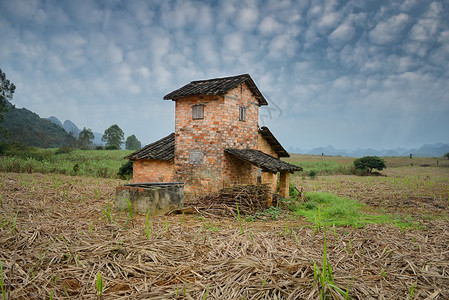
(163, 149)
(216, 86)
(262, 160)
(269, 137)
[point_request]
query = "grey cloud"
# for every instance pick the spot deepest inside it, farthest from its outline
(269, 25)
(342, 34)
(247, 18)
(321, 62)
(389, 31)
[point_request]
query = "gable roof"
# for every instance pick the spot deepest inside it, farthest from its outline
(216, 86)
(163, 149)
(269, 137)
(262, 160)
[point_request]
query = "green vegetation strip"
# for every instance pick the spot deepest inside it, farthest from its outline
(327, 167)
(329, 209)
(95, 163)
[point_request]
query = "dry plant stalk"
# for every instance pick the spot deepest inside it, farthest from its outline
(60, 244)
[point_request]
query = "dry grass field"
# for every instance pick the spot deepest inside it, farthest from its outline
(57, 236)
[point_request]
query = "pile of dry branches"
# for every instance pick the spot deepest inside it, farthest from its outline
(247, 198)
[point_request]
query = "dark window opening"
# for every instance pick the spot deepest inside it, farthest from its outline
(242, 114)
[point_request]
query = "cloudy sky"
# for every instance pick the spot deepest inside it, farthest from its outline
(343, 73)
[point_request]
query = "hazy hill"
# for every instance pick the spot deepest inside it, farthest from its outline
(55, 120)
(26, 127)
(433, 150)
(71, 127)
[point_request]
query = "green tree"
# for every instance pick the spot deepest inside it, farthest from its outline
(132, 143)
(113, 137)
(85, 139)
(368, 163)
(446, 155)
(7, 90)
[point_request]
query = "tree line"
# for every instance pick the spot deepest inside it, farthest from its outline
(113, 138)
(27, 128)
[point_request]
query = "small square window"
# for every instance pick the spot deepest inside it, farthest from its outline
(198, 112)
(196, 157)
(242, 114)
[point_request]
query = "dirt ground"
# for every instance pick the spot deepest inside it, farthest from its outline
(422, 192)
(56, 236)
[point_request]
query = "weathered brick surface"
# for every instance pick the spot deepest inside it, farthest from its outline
(200, 161)
(284, 184)
(152, 171)
(265, 147)
(219, 129)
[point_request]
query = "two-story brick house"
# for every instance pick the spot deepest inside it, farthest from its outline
(217, 141)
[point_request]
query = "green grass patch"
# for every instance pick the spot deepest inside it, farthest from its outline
(329, 209)
(95, 163)
(326, 167)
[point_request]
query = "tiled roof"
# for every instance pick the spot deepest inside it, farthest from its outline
(262, 160)
(217, 86)
(269, 137)
(164, 149)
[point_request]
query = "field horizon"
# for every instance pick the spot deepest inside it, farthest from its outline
(58, 232)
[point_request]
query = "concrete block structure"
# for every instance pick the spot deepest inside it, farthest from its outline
(217, 141)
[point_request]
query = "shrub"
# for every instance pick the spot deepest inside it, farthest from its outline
(126, 170)
(64, 150)
(446, 155)
(76, 168)
(112, 147)
(312, 174)
(4, 147)
(292, 191)
(368, 163)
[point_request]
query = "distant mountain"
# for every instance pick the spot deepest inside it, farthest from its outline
(55, 120)
(28, 128)
(433, 150)
(71, 127)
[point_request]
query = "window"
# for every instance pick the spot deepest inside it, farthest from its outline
(196, 157)
(198, 112)
(242, 114)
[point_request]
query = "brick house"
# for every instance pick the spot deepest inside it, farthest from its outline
(217, 141)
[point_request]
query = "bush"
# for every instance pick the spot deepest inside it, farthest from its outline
(112, 147)
(293, 191)
(64, 150)
(368, 163)
(126, 170)
(4, 147)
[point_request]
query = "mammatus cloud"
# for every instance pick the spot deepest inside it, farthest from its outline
(390, 30)
(339, 71)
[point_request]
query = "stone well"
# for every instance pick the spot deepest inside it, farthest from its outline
(156, 197)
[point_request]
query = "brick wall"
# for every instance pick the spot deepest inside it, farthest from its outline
(239, 171)
(152, 171)
(205, 140)
(265, 147)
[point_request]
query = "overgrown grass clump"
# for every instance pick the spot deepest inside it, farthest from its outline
(95, 163)
(326, 167)
(329, 209)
